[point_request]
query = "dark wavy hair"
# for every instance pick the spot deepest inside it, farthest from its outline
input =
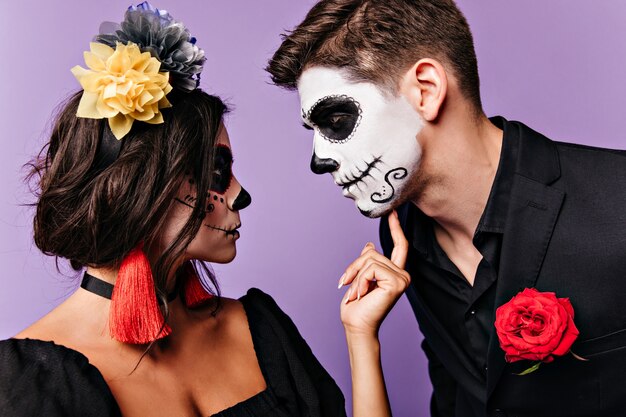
(377, 41)
(95, 217)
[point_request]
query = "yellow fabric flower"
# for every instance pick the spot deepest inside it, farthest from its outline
(122, 85)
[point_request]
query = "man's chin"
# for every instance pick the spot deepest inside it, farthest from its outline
(374, 212)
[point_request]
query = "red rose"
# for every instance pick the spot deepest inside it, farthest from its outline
(535, 325)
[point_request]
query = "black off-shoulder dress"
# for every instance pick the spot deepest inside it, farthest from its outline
(39, 378)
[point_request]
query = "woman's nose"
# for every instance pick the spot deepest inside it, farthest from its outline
(242, 201)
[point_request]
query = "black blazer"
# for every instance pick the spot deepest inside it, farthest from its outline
(566, 233)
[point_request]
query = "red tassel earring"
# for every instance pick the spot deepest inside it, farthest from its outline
(135, 316)
(194, 292)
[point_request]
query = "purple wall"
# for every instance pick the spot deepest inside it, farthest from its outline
(559, 66)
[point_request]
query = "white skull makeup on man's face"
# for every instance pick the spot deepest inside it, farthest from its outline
(365, 139)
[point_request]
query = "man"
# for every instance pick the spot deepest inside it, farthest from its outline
(490, 207)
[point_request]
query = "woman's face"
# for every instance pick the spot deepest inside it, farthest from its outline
(216, 238)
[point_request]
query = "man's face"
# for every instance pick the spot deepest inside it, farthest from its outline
(364, 138)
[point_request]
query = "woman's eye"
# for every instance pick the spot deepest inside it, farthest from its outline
(222, 170)
(218, 179)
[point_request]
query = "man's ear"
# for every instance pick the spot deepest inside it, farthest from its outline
(425, 85)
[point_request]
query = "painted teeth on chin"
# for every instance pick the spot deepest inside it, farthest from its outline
(360, 177)
(358, 172)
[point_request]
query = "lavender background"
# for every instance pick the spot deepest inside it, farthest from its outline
(557, 65)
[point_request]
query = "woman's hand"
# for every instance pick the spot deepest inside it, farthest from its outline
(376, 283)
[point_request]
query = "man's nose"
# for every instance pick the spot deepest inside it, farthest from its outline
(322, 166)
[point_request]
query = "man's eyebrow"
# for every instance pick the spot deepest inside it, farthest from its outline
(329, 103)
(324, 102)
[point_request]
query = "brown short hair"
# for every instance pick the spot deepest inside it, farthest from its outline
(94, 216)
(377, 41)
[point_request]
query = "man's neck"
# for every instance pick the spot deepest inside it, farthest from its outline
(460, 162)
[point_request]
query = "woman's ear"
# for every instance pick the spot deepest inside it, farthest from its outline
(425, 85)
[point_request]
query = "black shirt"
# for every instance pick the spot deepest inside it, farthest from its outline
(466, 311)
(43, 378)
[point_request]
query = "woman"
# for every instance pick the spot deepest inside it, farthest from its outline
(136, 186)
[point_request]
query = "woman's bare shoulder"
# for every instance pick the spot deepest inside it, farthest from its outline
(231, 313)
(46, 328)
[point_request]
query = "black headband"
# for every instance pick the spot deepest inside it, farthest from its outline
(108, 148)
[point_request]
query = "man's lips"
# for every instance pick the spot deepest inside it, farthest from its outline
(361, 176)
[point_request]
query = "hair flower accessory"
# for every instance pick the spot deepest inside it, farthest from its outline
(134, 65)
(155, 31)
(122, 85)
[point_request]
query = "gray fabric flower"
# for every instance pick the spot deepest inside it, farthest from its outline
(169, 41)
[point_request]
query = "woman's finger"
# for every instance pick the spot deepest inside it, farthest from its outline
(369, 252)
(361, 284)
(381, 275)
(400, 244)
(345, 280)
(368, 246)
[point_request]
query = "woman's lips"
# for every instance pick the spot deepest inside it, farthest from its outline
(229, 231)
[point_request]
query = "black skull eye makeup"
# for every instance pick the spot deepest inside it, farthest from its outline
(336, 117)
(220, 181)
(222, 169)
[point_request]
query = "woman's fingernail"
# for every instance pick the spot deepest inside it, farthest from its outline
(358, 294)
(347, 296)
(343, 277)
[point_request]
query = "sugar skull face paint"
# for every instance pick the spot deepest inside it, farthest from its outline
(215, 241)
(223, 169)
(364, 138)
(336, 117)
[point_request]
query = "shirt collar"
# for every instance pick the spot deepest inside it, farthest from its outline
(493, 218)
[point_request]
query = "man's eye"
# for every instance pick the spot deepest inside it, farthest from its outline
(336, 119)
(339, 121)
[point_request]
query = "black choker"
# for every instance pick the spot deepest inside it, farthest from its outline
(105, 289)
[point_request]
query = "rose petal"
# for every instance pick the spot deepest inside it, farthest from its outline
(569, 337)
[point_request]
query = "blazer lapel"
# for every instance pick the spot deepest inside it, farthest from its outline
(533, 210)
